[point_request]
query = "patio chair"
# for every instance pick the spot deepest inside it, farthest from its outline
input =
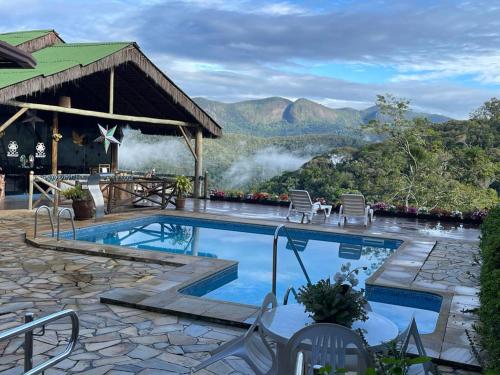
(300, 201)
(252, 347)
(353, 205)
(404, 338)
(326, 343)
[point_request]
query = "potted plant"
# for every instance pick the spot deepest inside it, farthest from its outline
(183, 186)
(83, 206)
(336, 302)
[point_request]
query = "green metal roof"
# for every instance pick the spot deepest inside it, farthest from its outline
(59, 57)
(20, 37)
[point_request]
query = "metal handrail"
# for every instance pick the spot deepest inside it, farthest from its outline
(292, 290)
(275, 255)
(36, 219)
(27, 330)
(59, 222)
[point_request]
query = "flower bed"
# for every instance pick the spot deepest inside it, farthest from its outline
(384, 209)
(379, 208)
(252, 198)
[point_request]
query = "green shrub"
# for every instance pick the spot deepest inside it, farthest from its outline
(489, 312)
(183, 186)
(336, 302)
(76, 193)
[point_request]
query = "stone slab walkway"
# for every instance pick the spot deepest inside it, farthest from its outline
(116, 340)
(452, 267)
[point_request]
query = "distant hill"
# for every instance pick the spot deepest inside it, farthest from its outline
(277, 116)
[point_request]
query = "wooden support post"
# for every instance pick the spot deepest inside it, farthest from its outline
(198, 164)
(57, 195)
(114, 157)
(114, 146)
(205, 185)
(110, 196)
(111, 90)
(163, 195)
(30, 190)
(64, 101)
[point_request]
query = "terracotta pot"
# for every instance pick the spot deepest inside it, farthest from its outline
(84, 209)
(180, 203)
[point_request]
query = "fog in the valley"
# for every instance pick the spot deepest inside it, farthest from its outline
(165, 154)
(261, 166)
(238, 170)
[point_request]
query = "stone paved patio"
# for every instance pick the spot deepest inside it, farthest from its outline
(118, 340)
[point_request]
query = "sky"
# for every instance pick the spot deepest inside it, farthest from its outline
(442, 55)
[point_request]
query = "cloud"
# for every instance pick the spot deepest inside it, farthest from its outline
(239, 49)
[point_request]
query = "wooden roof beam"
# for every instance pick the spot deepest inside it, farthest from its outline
(106, 115)
(11, 120)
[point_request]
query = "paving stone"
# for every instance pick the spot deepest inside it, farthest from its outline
(199, 348)
(143, 352)
(195, 330)
(117, 350)
(100, 345)
(181, 339)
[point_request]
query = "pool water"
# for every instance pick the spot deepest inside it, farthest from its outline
(251, 246)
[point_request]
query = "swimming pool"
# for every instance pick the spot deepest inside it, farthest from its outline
(251, 246)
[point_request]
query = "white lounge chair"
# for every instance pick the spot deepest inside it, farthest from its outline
(300, 201)
(354, 205)
(252, 347)
(326, 343)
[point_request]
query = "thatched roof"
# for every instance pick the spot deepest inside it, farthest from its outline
(32, 40)
(141, 89)
(11, 57)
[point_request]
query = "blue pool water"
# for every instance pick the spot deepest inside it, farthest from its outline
(251, 245)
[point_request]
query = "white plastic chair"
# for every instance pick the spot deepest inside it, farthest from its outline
(252, 347)
(412, 332)
(353, 205)
(300, 201)
(404, 338)
(326, 343)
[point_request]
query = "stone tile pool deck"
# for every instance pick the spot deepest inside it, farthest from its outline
(122, 340)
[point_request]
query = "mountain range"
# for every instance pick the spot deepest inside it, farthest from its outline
(276, 116)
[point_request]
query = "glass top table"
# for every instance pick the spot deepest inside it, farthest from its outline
(283, 321)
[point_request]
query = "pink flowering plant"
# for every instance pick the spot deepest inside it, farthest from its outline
(335, 302)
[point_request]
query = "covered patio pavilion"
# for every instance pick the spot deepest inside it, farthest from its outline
(64, 90)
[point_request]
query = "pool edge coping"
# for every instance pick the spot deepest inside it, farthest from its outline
(178, 303)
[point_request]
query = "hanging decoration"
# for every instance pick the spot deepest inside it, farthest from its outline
(32, 118)
(78, 139)
(107, 137)
(12, 149)
(40, 150)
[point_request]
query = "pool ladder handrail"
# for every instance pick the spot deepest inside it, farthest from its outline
(279, 228)
(292, 290)
(50, 218)
(71, 216)
(27, 329)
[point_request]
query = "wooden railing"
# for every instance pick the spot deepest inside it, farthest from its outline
(49, 186)
(119, 191)
(142, 191)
